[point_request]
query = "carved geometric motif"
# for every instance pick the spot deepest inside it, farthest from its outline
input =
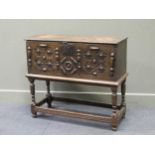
(94, 61)
(69, 59)
(68, 65)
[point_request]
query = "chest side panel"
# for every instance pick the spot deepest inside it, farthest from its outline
(75, 60)
(121, 59)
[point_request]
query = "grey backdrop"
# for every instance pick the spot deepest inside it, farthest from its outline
(141, 52)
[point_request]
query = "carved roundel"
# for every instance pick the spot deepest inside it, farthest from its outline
(68, 65)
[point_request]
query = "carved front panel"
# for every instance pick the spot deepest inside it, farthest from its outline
(77, 60)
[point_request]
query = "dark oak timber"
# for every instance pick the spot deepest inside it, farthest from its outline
(90, 60)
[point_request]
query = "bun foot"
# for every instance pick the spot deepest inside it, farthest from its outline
(114, 128)
(34, 115)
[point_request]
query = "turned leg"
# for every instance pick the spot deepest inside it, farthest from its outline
(114, 107)
(123, 91)
(32, 90)
(48, 95)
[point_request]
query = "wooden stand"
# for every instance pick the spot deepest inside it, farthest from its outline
(118, 110)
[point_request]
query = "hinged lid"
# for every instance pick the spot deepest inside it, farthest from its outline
(71, 38)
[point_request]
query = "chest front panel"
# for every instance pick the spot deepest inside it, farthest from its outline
(75, 60)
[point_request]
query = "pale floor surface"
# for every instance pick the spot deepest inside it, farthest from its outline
(15, 119)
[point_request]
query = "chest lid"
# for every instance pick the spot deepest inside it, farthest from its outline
(73, 38)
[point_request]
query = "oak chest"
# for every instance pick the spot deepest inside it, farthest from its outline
(89, 60)
(92, 58)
